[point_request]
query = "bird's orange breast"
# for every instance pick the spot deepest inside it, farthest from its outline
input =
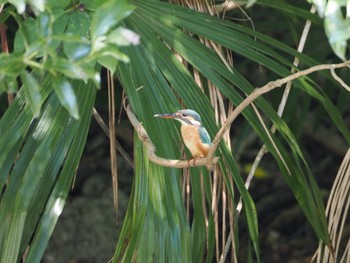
(193, 141)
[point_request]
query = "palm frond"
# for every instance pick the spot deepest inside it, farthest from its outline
(44, 151)
(155, 72)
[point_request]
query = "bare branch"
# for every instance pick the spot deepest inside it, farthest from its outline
(260, 91)
(105, 129)
(143, 136)
(225, 6)
(341, 82)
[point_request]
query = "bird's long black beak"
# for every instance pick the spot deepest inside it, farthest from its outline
(166, 116)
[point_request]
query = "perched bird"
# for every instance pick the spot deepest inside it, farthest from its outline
(194, 135)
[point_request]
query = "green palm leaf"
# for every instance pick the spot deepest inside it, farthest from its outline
(45, 129)
(152, 76)
(45, 151)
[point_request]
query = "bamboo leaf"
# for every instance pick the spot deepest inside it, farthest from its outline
(337, 27)
(78, 25)
(32, 91)
(65, 94)
(107, 16)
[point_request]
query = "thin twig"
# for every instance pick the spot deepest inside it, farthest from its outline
(112, 139)
(143, 136)
(281, 106)
(260, 91)
(341, 82)
(280, 111)
(104, 127)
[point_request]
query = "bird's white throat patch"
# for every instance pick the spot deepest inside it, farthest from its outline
(192, 122)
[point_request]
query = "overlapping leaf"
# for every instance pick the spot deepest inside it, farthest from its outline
(152, 76)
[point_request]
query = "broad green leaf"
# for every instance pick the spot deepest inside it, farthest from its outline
(93, 4)
(109, 57)
(35, 35)
(337, 27)
(37, 5)
(19, 4)
(60, 21)
(11, 65)
(9, 84)
(32, 92)
(66, 95)
(320, 5)
(78, 26)
(58, 4)
(108, 16)
(123, 37)
(109, 63)
(43, 24)
(71, 69)
(26, 35)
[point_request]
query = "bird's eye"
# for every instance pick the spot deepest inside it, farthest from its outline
(184, 114)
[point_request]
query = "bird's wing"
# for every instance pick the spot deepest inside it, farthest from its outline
(205, 138)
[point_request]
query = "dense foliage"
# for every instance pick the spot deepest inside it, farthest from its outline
(166, 56)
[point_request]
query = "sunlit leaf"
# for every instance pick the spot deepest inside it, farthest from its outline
(32, 91)
(107, 16)
(66, 95)
(78, 25)
(123, 37)
(19, 4)
(108, 62)
(58, 4)
(114, 53)
(75, 142)
(72, 70)
(27, 35)
(44, 23)
(93, 4)
(37, 5)
(321, 6)
(337, 27)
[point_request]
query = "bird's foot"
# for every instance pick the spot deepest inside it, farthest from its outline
(189, 162)
(193, 160)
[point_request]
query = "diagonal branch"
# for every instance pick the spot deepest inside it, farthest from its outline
(105, 129)
(260, 91)
(143, 136)
(211, 160)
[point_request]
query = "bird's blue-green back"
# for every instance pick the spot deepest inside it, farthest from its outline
(205, 138)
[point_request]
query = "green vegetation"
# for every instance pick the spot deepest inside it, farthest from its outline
(166, 56)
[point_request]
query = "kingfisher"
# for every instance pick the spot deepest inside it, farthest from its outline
(194, 135)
